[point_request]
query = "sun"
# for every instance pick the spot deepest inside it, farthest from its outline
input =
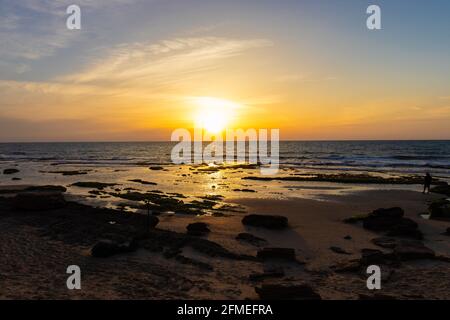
(214, 114)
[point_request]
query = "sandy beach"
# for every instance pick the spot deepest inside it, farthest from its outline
(37, 246)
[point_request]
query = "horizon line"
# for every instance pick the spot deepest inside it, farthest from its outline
(160, 141)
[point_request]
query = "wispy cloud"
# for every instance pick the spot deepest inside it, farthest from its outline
(171, 60)
(128, 74)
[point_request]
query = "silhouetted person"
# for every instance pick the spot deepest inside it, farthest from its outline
(427, 183)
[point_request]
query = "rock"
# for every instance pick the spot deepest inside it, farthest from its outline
(93, 185)
(248, 237)
(348, 266)
(442, 258)
(38, 201)
(276, 253)
(70, 172)
(383, 219)
(151, 220)
(185, 260)
(339, 250)
(442, 189)
(143, 182)
(108, 248)
(266, 221)
(244, 190)
(393, 223)
(395, 212)
(266, 275)
(385, 242)
(447, 232)
(440, 209)
(156, 168)
(171, 252)
(406, 228)
(403, 249)
(373, 256)
(197, 229)
(213, 249)
(10, 171)
(413, 250)
(287, 292)
(47, 188)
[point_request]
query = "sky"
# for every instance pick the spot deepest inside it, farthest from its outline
(138, 69)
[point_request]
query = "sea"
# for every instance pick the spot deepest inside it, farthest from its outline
(124, 164)
(406, 157)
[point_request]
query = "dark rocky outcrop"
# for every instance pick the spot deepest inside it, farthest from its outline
(171, 243)
(391, 221)
(385, 242)
(185, 260)
(266, 221)
(156, 168)
(276, 253)
(244, 190)
(343, 178)
(108, 248)
(71, 172)
(403, 250)
(249, 238)
(10, 171)
(339, 250)
(93, 185)
(143, 182)
(373, 256)
(443, 188)
(287, 292)
(197, 229)
(405, 228)
(38, 201)
(412, 250)
(347, 266)
(275, 273)
(383, 219)
(439, 209)
(48, 188)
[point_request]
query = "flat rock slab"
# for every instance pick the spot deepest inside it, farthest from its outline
(266, 275)
(38, 201)
(266, 221)
(108, 248)
(413, 251)
(339, 250)
(249, 238)
(276, 253)
(197, 229)
(390, 221)
(10, 171)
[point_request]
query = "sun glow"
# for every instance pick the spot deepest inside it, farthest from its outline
(214, 114)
